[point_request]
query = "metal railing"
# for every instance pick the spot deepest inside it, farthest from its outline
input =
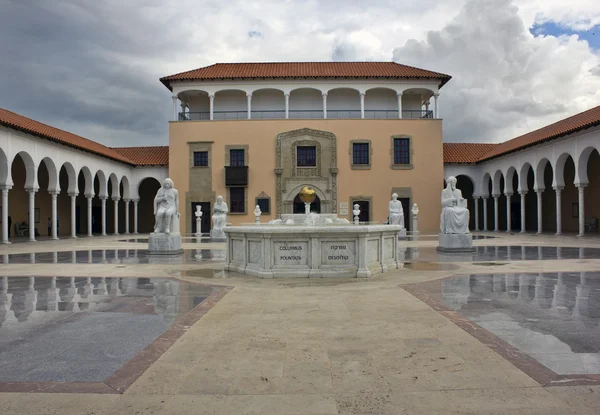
(305, 114)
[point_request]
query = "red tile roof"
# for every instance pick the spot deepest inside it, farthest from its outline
(304, 70)
(578, 122)
(146, 156)
(19, 122)
(465, 153)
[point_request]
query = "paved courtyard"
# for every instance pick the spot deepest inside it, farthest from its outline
(96, 326)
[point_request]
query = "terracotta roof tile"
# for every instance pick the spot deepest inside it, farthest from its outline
(561, 128)
(304, 70)
(146, 156)
(19, 122)
(462, 153)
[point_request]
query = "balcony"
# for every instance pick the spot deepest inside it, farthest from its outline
(236, 175)
(305, 114)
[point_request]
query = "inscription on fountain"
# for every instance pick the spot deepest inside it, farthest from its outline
(291, 253)
(337, 253)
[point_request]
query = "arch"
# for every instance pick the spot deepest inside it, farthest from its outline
(291, 194)
(298, 205)
(30, 170)
(309, 88)
(230, 103)
(306, 102)
(496, 188)
(508, 181)
(581, 168)
(523, 172)
(267, 103)
(146, 191)
(72, 184)
(126, 195)
(559, 170)
(343, 102)
(52, 174)
(5, 178)
(539, 174)
(102, 184)
(253, 91)
(485, 184)
(114, 184)
(198, 103)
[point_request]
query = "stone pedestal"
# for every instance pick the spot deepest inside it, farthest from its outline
(218, 235)
(164, 244)
(455, 243)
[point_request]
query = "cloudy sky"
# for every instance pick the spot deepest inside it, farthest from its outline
(92, 67)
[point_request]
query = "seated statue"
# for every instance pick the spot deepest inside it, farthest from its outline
(166, 205)
(396, 214)
(219, 218)
(455, 215)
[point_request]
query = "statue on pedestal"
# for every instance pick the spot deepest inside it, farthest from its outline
(166, 206)
(455, 215)
(219, 219)
(396, 213)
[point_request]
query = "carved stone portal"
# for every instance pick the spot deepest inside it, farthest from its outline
(290, 177)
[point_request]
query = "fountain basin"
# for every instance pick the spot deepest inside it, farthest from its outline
(272, 251)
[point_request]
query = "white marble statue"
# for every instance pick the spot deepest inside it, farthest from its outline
(455, 215)
(257, 213)
(396, 213)
(219, 218)
(166, 206)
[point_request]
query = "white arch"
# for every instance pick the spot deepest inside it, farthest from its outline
(53, 184)
(539, 174)
(261, 88)
(308, 87)
(485, 185)
(114, 184)
(88, 179)
(126, 189)
(508, 181)
(496, 190)
(581, 167)
(5, 177)
(559, 169)
(333, 88)
(72, 176)
(523, 172)
(102, 184)
(468, 177)
(31, 181)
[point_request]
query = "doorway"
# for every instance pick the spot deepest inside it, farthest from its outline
(205, 221)
(365, 210)
(406, 209)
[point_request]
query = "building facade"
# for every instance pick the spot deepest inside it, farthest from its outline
(356, 132)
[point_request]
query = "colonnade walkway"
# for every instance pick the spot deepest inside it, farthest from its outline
(485, 334)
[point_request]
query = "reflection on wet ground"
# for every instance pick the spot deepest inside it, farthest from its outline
(187, 239)
(113, 256)
(435, 237)
(71, 329)
(501, 253)
(552, 317)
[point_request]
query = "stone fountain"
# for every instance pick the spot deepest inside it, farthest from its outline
(312, 245)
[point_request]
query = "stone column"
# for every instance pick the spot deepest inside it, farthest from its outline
(581, 199)
(485, 216)
(539, 209)
(175, 117)
(558, 190)
(135, 216)
(31, 214)
(476, 201)
(523, 193)
(54, 217)
(249, 98)
(399, 105)
(73, 197)
(324, 105)
(287, 106)
(211, 99)
(116, 200)
(508, 212)
(5, 190)
(435, 105)
(89, 214)
(103, 202)
(362, 105)
(127, 216)
(496, 213)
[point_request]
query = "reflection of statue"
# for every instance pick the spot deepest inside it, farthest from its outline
(396, 214)
(455, 215)
(219, 219)
(166, 205)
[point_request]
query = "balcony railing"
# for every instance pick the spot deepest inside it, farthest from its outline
(236, 175)
(304, 114)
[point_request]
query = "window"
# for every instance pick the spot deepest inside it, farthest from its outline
(401, 150)
(200, 158)
(236, 158)
(306, 156)
(236, 198)
(360, 153)
(264, 203)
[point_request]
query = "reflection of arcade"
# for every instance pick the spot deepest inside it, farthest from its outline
(26, 303)
(563, 305)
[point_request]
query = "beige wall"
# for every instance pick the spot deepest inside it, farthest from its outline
(425, 178)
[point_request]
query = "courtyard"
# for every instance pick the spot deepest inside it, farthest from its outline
(96, 325)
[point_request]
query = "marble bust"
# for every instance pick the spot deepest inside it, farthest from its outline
(396, 213)
(219, 219)
(455, 215)
(166, 205)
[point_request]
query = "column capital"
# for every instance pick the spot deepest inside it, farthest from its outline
(103, 197)
(126, 200)
(509, 194)
(436, 94)
(31, 190)
(523, 192)
(54, 192)
(211, 96)
(116, 198)
(581, 185)
(558, 188)
(540, 190)
(73, 194)
(324, 94)
(399, 94)
(135, 200)
(175, 97)
(495, 195)
(5, 187)
(249, 96)
(362, 94)
(89, 196)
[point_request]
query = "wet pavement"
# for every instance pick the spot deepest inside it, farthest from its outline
(72, 329)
